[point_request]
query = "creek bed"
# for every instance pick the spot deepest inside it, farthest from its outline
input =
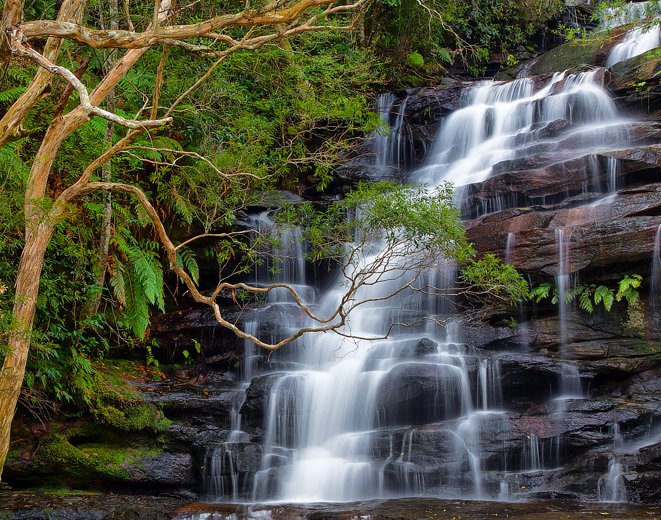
(24, 506)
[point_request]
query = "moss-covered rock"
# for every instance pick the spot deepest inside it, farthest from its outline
(573, 55)
(95, 460)
(135, 417)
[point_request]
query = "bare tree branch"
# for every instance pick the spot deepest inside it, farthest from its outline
(84, 96)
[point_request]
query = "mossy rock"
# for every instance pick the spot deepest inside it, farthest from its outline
(573, 55)
(640, 73)
(135, 417)
(92, 460)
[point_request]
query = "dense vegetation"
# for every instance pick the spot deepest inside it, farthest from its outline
(278, 116)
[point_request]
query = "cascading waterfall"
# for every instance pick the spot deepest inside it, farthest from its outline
(509, 122)
(628, 13)
(636, 42)
(408, 415)
(284, 261)
(392, 144)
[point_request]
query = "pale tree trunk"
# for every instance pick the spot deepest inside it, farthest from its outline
(10, 124)
(39, 229)
(106, 174)
(25, 304)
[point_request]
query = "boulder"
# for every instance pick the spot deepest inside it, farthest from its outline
(418, 393)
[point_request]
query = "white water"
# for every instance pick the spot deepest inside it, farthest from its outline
(628, 13)
(636, 42)
(391, 143)
(511, 121)
(344, 425)
(611, 487)
(638, 39)
(655, 290)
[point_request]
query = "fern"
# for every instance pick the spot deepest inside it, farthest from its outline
(136, 313)
(540, 292)
(7, 97)
(604, 295)
(584, 299)
(627, 288)
(186, 260)
(11, 162)
(137, 282)
(117, 282)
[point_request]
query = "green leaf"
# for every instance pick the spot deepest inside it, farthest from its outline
(186, 260)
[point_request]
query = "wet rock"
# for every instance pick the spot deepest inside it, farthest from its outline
(257, 394)
(613, 241)
(419, 393)
(571, 56)
(644, 383)
(635, 83)
(423, 347)
(167, 470)
(526, 379)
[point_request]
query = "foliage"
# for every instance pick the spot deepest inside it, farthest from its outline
(497, 280)
(137, 280)
(265, 118)
(413, 222)
(590, 296)
(442, 30)
(613, 13)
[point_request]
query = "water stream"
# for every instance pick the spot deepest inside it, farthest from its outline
(344, 424)
(423, 412)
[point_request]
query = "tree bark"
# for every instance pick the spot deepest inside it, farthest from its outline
(25, 305)
(106, 174)
(10, 124)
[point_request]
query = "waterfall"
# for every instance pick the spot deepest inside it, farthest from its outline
(392, 147)
(627, 13)
(421, 412)
(636, 42)
(655, 289)
(283, 254)
(610, 487)
(508, 123)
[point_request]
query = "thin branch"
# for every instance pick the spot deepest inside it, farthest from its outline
(85, 103)
(211, 235)
(269, 15)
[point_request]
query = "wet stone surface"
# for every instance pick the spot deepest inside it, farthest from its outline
(20, 506)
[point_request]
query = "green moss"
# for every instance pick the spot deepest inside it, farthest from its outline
(93, 459)
(135, 417)
(572, 55)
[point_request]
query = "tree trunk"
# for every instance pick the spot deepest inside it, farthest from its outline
(25, 305)
(10, 124)
(106, 174)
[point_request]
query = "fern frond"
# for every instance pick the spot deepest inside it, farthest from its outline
(136, 314)
(186, 260)
(8, 96)
(117, 282)
(11, 163)
(149, 275)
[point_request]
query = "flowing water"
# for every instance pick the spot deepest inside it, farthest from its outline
(637, 40)
(344, 424)
(421, 412)
(392, 143)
